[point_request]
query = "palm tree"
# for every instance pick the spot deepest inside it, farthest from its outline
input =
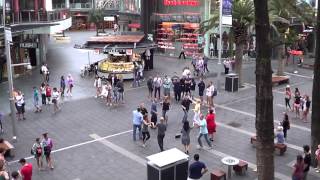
(242, 19)
(264, 97)
(280, 12)
(96, 17)
(315, 116)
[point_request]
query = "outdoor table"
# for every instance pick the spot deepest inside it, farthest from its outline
(230, 161)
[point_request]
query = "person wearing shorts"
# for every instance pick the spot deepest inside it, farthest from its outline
(47, 147)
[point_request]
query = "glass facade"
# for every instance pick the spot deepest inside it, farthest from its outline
(80, 4)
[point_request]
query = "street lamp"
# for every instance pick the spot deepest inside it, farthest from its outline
(7, 41)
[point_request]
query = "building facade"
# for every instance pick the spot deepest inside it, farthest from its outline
(31, 22)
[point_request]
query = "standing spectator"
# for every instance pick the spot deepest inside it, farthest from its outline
(97, 84)
(26, 169)
(211, 49)
(227, 66)
(140, 72)
(120, 87)
(1, 118)
(201, 86)
(193, 86)
(37, 151)
(36, 99)
(150, 86)
(298, 168)
(297, 100)
(211, 124)
(186, 103)
(197, 169)
(157, 83)
(62, 85)
(19, 99)
(287, 97)
(306, 108)
(176, 88)
(45, 72)
(187, 84)
(55, 100)
(167, 86)
(209, 95)
(185, 136)
(285, 124)
(165, 108)
(182, 86)
(154, 112)
(205, 64)
(47, 148)
(317, 153)
(161, 133)
(203, 131)
(182, 53)
(137, 121)
(48, 93)
(148, 55)
(70, 84)
(145, 130)
(43, 94)
(307, 161)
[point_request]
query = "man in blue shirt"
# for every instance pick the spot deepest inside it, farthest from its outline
(197, 169)
(137, 121)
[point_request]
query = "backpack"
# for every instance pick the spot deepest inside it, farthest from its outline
(215, 92)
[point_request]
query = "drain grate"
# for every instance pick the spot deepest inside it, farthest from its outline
(234, 124)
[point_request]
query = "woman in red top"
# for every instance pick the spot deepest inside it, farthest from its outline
(211, 124)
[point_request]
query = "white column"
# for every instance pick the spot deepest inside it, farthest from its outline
(207, 7)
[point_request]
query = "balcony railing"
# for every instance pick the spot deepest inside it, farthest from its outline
(80, 5)
(30, 16)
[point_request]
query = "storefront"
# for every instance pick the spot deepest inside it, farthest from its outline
(176, 23)
(123, 54)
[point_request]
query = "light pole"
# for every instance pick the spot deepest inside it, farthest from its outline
(7, 41)
(220, 45)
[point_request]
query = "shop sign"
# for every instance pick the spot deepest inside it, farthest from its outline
(114, 51)
(227, 12)
(29, 45)
(129, 52)
(108, 18)
(181, 2)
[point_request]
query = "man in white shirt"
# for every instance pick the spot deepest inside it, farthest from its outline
(157, 83)
(227, 66)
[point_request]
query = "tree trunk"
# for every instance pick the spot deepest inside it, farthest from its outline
(264, 98)
(315, 116)
(97, 29)
(238, 63)
(281, 59)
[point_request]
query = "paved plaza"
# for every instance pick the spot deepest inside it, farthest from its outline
(92, 141)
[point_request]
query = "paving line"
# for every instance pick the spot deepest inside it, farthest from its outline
(292, 146)
(252, 115)
(77, 145)
(120, 150)
(250, 164)
(298, 75)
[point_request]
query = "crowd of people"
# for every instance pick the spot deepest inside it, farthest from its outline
(111, 90)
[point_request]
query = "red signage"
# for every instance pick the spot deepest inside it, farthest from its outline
(181, 2)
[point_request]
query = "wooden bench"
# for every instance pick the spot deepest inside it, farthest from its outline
(241, 168)
(8, 147)
(253, 141)
(278, 80)
(280, 149)
(218, 174)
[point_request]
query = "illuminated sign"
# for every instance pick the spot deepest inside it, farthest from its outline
(181, 2)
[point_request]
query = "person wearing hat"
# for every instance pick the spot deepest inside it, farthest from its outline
(287, 97)
(279, 135)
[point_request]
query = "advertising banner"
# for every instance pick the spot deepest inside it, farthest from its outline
(227, 12)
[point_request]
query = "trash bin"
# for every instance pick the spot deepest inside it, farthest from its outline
(232, 82)
(168, 165)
